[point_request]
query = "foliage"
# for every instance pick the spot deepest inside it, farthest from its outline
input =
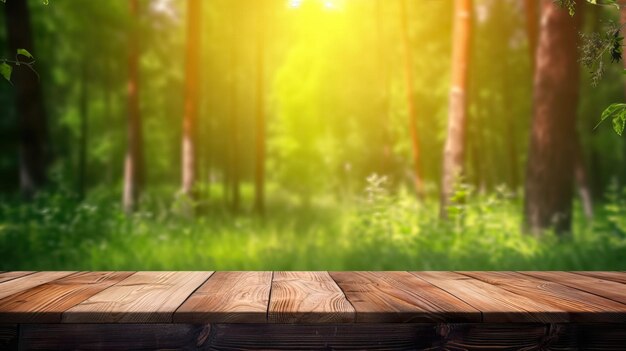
(596, 45)
(383, 231)
(617, 112)
(570, 5)
(6, 69)
(336, 112)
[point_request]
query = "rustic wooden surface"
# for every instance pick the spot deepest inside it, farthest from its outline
(45, 303)
(352, 336)
(308, 297)
(144, 297)
(228, 297)
(581, 305)
(496, 304)
(312, 297)
(400, 297)
(313, 310)
(20, 283)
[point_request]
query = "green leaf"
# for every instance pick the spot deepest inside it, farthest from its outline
(24, 52)
(618, 114)
(45, 2)
(618, 124)
(6, 70)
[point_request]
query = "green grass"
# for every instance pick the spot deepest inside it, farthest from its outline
(56, 232)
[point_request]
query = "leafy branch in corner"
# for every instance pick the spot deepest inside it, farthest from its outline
(6, 67)
(596, 45)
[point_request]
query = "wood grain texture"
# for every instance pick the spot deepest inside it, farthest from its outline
(353, 336)
(144, 297)
(6, 276)
(113, 336)
(604, 288)
(26, 282)
(486, 336)
(619, 277)
(228, 297)
(496, 304)
(380, 297)
(45, 303)
(581, 306)
(307, 297)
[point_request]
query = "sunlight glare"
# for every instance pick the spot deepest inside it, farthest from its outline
(329, 5)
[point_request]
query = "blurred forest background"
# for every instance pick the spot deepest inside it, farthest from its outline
(310, 134)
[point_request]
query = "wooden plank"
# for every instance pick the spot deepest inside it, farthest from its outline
(354, 336)
(45, 303)
(487, 336)
(26, 282)
(228, 297)
(619, 277)
(307, 297)
(594, 336)
(582, 307)
(6, 276)
(601, 287)
(113, 336)
(496, 304)
(380, 297)
(144, 297)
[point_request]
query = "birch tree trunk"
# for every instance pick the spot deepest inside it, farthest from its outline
(454, 151)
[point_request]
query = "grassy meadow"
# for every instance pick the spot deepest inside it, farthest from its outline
(372, 231)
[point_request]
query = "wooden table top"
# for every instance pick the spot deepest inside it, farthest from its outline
(312, 297)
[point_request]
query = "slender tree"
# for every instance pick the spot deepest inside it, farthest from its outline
(457, 116)
(622, 17)
(32, 121)
(234, 122)
(383, 77)
(532, 27)
(410, 96)
(84, 129)
(550, 168)
(259, 165)
(133, 162)
(192, 95)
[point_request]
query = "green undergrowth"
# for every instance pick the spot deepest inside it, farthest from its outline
(376, 231)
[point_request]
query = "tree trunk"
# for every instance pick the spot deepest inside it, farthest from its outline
(457, 116)
(234, 129)
(192, 94)
(581, 175)
(410, 98)
(107, 93)
(622, 17)
(550, 169)
(259, 165)
(511, 127)
(133, 163)
(82, 147)
(383, 76)
(532, 27)
(32, 121)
